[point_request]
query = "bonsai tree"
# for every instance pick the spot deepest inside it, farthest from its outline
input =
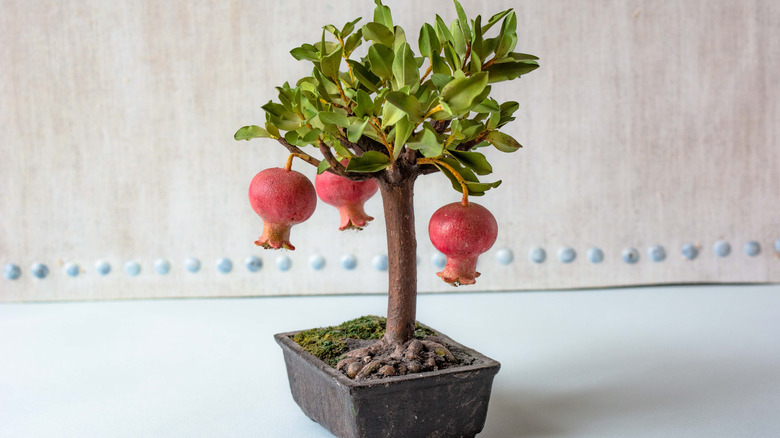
(384, 119)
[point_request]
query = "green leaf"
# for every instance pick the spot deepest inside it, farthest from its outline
(399, 38)
(383, 15)
(503, 142)
(458, 39)
(355, 130)
(305, 52)
(405, 103)
(439, 66)
(365, 106)
(272, 130)
(381, 58)
(379, 33)
(349, 27)
(403, 129)
(332, 29)
(323, 166)
(427, 142)
(405, 70)
(442, 32)
(474, 161)
(311, 136)
(523, 56)
(507, 38)
(463, 21)
(330, 64)
(391, 114)
(364, 76)
(505, 71)
(505, 114)
(293, 138)
(487, 106)
(428, 41)
(353, 42)
(451, 55)
(459, 95)
(477, 42)
(370, 161)
(250, 132)
(479, 188)
(475, 63)
(495, 19)
(331, 118)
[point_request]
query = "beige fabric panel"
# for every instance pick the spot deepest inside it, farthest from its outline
(649, 123)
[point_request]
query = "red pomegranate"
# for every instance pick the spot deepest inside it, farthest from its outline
(348, 196)
(462, 232)
(282, 198)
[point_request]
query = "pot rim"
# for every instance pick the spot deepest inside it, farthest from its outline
(484, 363)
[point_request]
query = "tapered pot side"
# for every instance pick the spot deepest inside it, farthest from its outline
(452, 402)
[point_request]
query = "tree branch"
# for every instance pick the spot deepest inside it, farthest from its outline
(349, 145)
(465, 146)
(302, 155)
(334, 163)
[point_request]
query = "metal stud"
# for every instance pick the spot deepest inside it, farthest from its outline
(317, 262)
(657, 253)
(192, 264)
(567, 254)
(722, 248)
(102, 267)
(630, 255)
(72, 270)
(224, 265)
(752, 248)
(595, 255)
(283, 263)
(537, 255)
(253, 263)
(505, 256)
(11, 271)
(349, 261)
(690, 251)
(162, 266)
(132, 268)
(39, 270)
(380, 262)
(439, 260)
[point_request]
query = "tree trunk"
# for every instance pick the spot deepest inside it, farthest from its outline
(398, 202)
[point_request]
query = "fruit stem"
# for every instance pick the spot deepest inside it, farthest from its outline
(458, 177)
(303, 157)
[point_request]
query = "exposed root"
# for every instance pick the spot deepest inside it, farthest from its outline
(383, 359)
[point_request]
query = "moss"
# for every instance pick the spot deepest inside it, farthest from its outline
(330, 343)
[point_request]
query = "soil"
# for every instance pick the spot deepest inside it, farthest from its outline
(358, 349)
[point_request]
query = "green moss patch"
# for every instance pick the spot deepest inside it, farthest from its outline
(330, 343)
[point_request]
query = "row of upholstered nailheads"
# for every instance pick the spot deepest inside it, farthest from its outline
(163, 267)
(504, 256)
(630, 255)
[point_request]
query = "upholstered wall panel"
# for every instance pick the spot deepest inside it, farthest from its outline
(649, 123)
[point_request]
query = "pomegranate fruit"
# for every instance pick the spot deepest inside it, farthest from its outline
(282, 198)
(348, 196)
(462, 232)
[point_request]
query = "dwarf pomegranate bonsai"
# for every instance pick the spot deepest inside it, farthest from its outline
(386, 118)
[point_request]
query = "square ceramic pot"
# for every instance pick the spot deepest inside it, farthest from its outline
(446, 403)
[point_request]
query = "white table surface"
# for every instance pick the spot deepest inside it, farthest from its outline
(699, 361)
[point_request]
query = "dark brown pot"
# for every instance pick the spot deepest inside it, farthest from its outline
(447, 403)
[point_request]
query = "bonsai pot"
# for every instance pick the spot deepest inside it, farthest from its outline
(452, 402)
